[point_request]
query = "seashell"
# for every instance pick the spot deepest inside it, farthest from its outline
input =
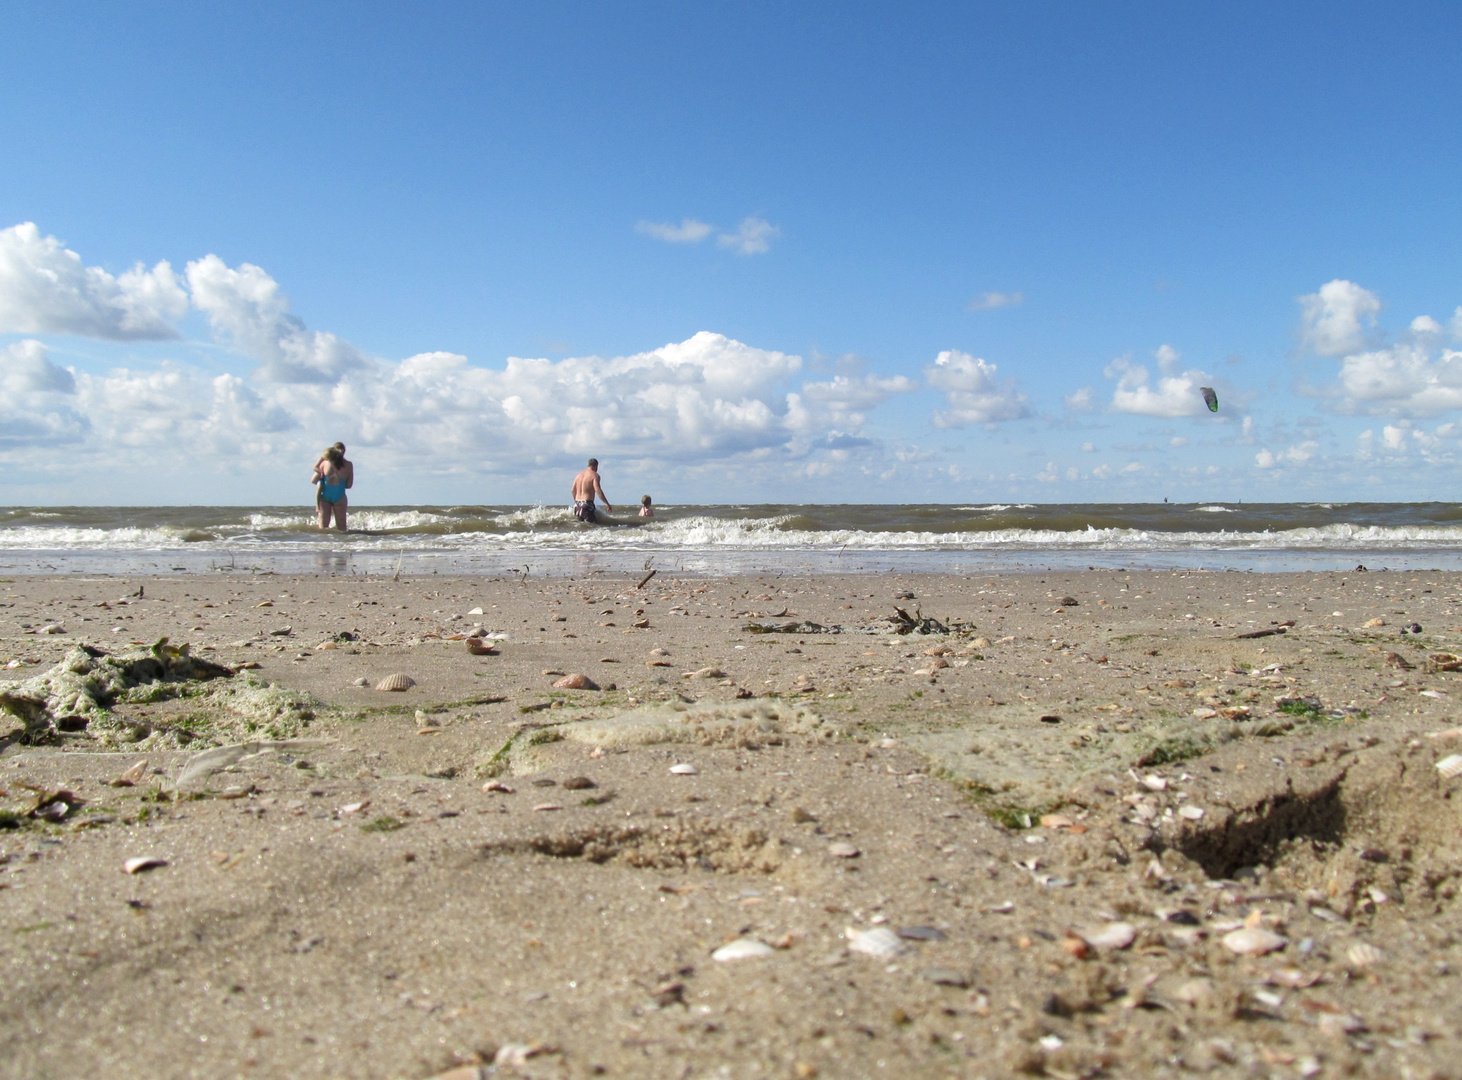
(1056, 821)
(579, 783)
(742, 949)
(947, 977)
(684, 769)
(475, 611)
(362, 681)
(1253, 941)
(1154, 783)
(1205, 713)
(659, 652)
(1450, 766)
(1117, 935)
(707, 673)
(575, 682)
(144, 862)
(548, 806)
(922, 933)
(1294, 978)
(1192, 813)
(355, 807)
(1338, 1025)
(1371, 624)
(478, 647)
(497, 785)
(843, 850)
(1194, 991)
(1363, 955)
(979, 643)
(879, 942)
(132, 776)
(326, 645)
(397, 681)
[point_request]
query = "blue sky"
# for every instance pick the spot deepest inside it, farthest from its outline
(1054, 198)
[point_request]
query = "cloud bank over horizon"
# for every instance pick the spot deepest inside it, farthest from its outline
(708, 409)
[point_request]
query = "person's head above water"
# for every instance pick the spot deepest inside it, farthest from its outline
(644, 500)
(594, 463)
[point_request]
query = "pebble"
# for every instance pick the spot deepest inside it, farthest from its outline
(141, 863)
(742, 949)
(947, 977)
(1253, 941)
(879, 942)
(684, 769)
(579, 783)
(575, 682)
(843, 850)
(1117, 935)
(362, 681)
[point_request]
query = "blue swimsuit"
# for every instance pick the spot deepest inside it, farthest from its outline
(331, 493)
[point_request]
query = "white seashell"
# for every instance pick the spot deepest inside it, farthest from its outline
(842, 850)
(1117, 935)
(1192, 813)
(1363, 955)
(684, 769)
(144, 862)
(362, 681)
(1154, 783)
(397, 681)
(1450, 766)
(1337, 1025)
(742, 949)
(475, 611)
(1205, 713)
(1253, 941)
(355, 807)
(880, 942)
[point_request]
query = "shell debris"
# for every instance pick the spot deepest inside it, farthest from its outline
(684, 769)
(1253, 941)
(141, 863)
(1117, 935)
(742, 949)
(880, 942)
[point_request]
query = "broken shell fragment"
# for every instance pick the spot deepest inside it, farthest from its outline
(879, 942)
(141, 863)
(1192, 813)
(132, 776)
(478, 647)
(684, 769)
(396, 682)
(843, 850)
(1253, 941)
(575, 682)
(497, 785)
(1364, 955)
(1450, 766)
(1117, 935)
(742, 949)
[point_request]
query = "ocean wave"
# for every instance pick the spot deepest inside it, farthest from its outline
(1213, 510)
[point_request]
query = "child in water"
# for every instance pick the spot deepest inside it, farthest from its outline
(646, 510)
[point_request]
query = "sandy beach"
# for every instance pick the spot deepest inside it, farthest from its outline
(1066, 824)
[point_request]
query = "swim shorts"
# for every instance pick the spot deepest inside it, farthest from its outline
(584, 511)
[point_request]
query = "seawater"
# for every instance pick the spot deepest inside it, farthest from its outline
(816, 538)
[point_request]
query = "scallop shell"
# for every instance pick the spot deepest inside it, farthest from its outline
(397, 681)
(575, 682)
(742, 949)
(1253, 941)
(1117, 935)
(1364, 955)
(1450, 766)
(478, 647)
(879, 942)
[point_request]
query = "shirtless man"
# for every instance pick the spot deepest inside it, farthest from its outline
(586, 486)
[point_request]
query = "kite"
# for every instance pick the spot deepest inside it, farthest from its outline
(1209, 398)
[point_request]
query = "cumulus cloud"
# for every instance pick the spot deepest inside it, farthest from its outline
(753, 236)
(1407, 379)
(1079, 401)
(46, 289)
(1339, 318)
(974, 393)
(689, 231)
(37, 398)
(1293, 455)
(991, 300)
(1176, 394)
(247, 307)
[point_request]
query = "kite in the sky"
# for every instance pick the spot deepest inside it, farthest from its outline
(1209, 398)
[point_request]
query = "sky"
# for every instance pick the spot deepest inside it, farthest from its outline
(749, 252)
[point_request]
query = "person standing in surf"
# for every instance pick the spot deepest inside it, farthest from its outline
(586, 487)
(334, 474)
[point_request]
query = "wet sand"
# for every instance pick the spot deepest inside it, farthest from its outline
(1067, 810)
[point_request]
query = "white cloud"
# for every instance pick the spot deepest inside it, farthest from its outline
(1293, 455)
(37, 399)
(1264, 459)
(689, 231)
(1424, 326)
(1393, 437)
(1175, 395)
(45, 289)
(974, 394)
(1404, 379)
(991, 300)
(753, 236)
(1079, 401)
(1336, 320)
(1177, 441)
(247, 307)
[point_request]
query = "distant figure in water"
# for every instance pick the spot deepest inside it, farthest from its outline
(334, 474)
(646, 510)
(586, 487)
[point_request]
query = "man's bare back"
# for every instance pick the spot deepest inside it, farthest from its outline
(585, 488)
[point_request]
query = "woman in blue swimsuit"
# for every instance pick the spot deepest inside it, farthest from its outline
(334, 474)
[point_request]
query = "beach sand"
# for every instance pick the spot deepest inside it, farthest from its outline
(1028, 845)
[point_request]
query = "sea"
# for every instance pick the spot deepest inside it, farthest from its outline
(727, 539)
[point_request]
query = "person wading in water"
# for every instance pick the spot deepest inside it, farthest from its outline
(334, 474)
(586, 487)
